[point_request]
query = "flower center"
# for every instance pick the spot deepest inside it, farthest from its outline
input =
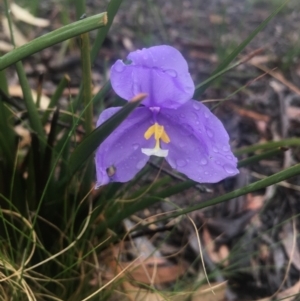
(159, 134)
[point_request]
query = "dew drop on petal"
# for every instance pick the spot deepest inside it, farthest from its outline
(171, 72)
(229, 157)
(182, 116)
(215, 149)
(135, 146)
(196, 117)
(140, 164)
(206, 172)
(229, 169)
(218, 162)
(203, 161)
(119, 67)
(209, 133)
(145, 55)
(196, 106)
(135, 88)
(171, 162)
(225, 148)
(181, 162)
(206, 115)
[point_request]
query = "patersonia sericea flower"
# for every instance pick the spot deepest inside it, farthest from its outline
(168, 124)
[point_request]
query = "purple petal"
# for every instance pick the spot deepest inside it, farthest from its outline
(199, 146)
(119, 158)
(159, 71)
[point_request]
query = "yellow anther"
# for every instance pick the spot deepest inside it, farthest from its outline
(159, 133)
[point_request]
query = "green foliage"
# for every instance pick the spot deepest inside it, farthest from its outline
(49, 215)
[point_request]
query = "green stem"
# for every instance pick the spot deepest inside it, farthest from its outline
(268, 145)
(271, 180)
(55, 97)
(35, 122)
(112, 10)
(52, 38)
(87, 82)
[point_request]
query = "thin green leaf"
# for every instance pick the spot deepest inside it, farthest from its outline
(34, 118)
(52, 38)
(220, 69)
(264, 155)
(93, 140)
(268, 145)
(55, 97)
(112, 10)
(271, 180)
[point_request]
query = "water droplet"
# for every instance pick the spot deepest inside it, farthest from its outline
(209, 133)
(145, 55)
(229, 169)
(119, 66)
(218, 162)
(203, 161)
(135, 88)
(189, 89)
(181, 162)
(171, 162)
(182, 115)
(171, 72)
(206, 172)
(140, 164)
(206, 115)
(135, 146)
(229, 157)
(215, 149)
(225, 148)
(196, 117)
(196, 106)
(187, 129)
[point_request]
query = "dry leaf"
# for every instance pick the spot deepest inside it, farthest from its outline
(6, 47)
(291, 291)
(16, 91)
(24, 134)
(138, 294)
(249, 113)
(279, 76)
(262, 59)
(254, 202)
(216, 256)
(25, 16)
(19, 38)
(293, 112)
(287, 237)
(155, 271)
(217, 19)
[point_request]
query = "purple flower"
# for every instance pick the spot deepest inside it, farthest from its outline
(168, 124)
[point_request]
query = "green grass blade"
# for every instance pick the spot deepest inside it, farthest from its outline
(202, 87)
(86, 82)
(52, 38)
(264, 155)
(55, 97)
(94, 139)
(34, 119)
(112, 9)
(268, 145)
(7, 134)
(271, 180)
